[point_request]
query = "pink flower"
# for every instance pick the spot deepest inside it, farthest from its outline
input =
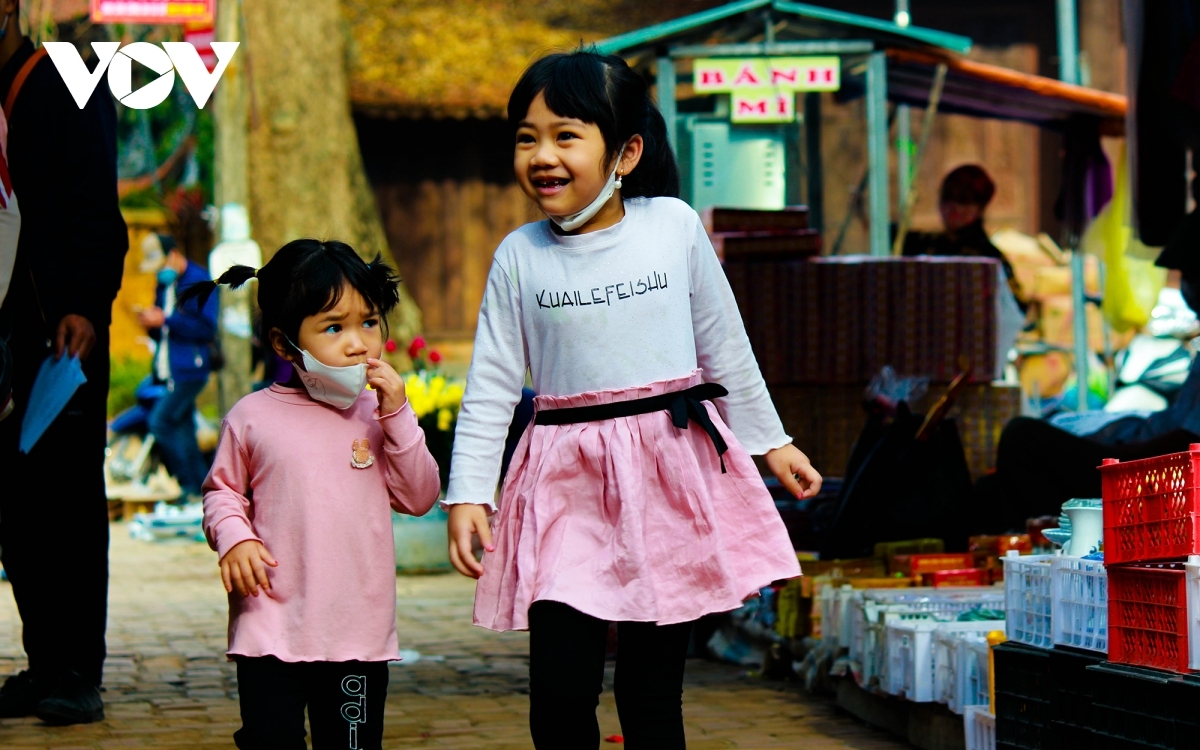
(435, 356)
(390, 346)
(415, 347)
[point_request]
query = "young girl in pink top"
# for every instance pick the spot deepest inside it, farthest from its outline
(632, 496)
(298, 503)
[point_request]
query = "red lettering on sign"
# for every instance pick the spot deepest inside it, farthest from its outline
(791, 75)
(752, 108)
(712, 77)
(746, 76)
(820, 75)
(782, 104)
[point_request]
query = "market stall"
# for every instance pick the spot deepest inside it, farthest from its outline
(911, 622)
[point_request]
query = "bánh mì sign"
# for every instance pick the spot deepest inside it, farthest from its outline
(763, 89)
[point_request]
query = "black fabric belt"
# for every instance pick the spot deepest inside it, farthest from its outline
(684, 406)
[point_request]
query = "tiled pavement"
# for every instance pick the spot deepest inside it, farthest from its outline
(169, 685)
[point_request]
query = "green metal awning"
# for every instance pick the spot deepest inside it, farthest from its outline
(797, 21)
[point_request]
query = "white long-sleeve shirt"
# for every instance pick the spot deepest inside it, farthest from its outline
(641, 301)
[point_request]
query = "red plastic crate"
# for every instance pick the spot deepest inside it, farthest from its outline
(1151, 507)
(1148, 616)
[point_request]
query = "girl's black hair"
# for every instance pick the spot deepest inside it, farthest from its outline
(306, 277)
(603, 90)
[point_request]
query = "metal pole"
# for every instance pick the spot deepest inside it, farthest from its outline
(1068, 71)
(232, 185)
(1081, 329)
(1068, 41)
(815, 193)
(904, 143)
(665, 83)
(879, 201)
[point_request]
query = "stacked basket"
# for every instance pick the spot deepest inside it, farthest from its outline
(1151, 537)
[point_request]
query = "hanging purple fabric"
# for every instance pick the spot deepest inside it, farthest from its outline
(1087, 184)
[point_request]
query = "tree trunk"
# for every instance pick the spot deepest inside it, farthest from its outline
(306, 176)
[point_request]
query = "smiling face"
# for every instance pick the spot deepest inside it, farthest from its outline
(344, 335)
(562, 164)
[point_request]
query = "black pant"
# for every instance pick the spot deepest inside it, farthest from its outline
(1039, 467)
(54, 517)
(344, 699)
(566, 675)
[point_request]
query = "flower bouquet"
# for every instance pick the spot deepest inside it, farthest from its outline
(436, 400)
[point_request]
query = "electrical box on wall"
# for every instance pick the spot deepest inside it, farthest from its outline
(738, 166)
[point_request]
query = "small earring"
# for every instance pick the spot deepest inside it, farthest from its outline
(617, 182)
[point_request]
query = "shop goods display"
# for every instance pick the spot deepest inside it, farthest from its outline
(1150, 508)
(1086, 523)
(980, 726)
(871, 611)
(1027, 599)
(911, 669)
(1079, 603)
(838, 320)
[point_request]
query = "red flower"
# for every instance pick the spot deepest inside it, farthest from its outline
(435, 356)
(415, 347)
(390, 346)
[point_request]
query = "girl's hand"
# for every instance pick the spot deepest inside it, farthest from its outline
(243, 567)
(794, 471)
(388, 384)
(466, 521)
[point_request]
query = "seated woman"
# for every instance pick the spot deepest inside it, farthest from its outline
(966, 192)
(1039, 466)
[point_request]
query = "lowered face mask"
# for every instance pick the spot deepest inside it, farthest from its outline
(339, 387)
(574, 221)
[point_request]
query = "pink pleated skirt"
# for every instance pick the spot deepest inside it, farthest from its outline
(630, 519)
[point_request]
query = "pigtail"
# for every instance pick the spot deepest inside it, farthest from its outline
(656, 174)
(387, 283)
(235, 277)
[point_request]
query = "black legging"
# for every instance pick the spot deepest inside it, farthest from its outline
(566, 675)
(1039, 467)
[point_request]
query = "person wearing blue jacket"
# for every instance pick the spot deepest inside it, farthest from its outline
(182, 361)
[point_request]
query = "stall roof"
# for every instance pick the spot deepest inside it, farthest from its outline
(793, 21)
(982, 90)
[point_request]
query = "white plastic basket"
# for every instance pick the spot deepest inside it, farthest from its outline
(960, 662)
(912, 667)
(864, 605)
(980, 728)
(1027, 599)
(1079, 603)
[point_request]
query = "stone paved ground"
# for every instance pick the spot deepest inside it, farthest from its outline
(169, 685)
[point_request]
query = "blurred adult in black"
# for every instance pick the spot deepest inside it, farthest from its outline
(1039, 466)
(53, 512)
(966, 193)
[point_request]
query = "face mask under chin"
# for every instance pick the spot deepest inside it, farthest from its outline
(573, 221)
(339, 387)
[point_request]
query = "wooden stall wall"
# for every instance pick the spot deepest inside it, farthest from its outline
(446, 192)
(443, 235)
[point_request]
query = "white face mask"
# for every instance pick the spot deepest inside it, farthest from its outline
(576, 220)
(339, 387)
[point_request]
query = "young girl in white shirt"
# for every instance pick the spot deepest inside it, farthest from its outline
(632, 497)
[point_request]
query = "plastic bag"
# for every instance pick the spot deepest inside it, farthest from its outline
(1131, 283)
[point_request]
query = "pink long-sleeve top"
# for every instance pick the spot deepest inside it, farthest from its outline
(284, 475)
